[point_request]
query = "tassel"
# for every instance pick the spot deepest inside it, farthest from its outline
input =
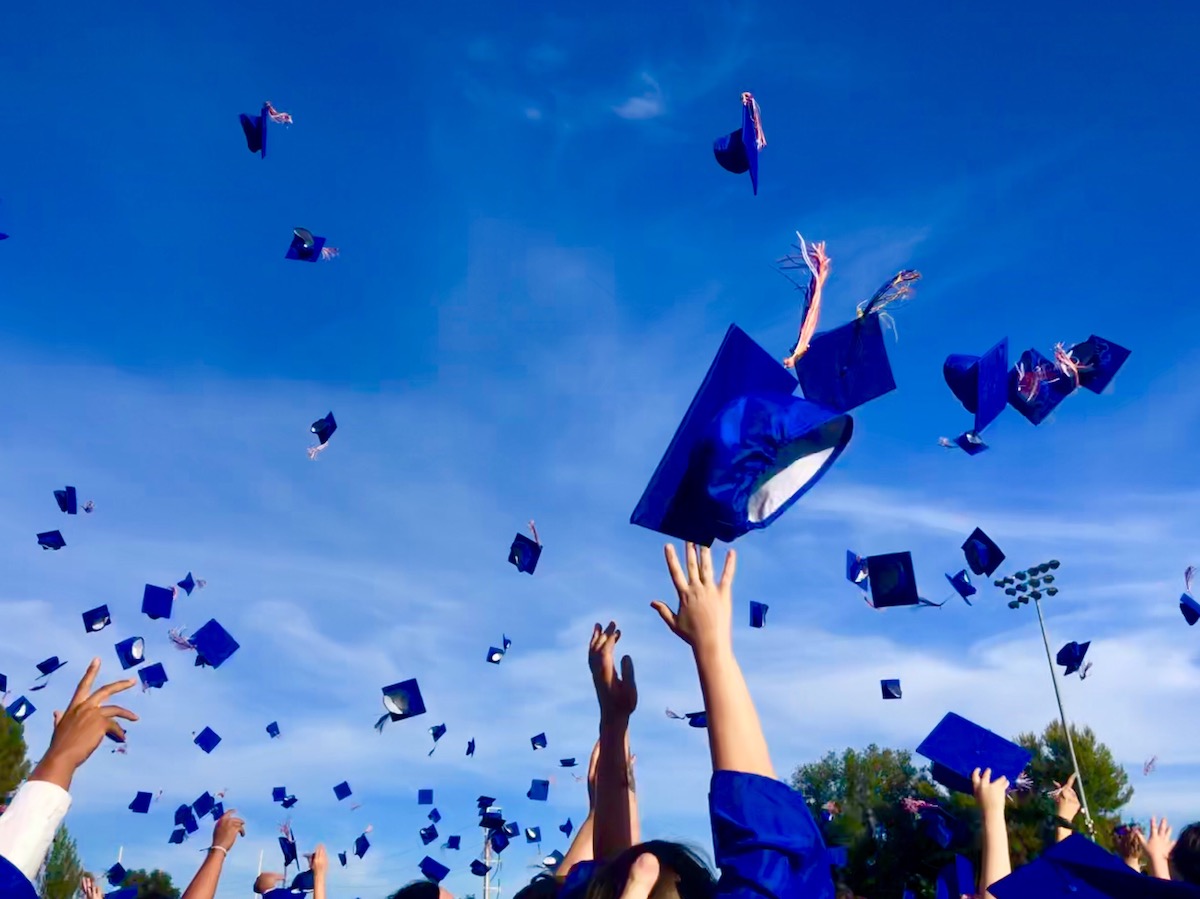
(279, 118)
(89, 507)
(314, 451)
(381, 722)
(533, 530)
(895, 290)
(913, 806)
(1149, 766)
(675, 715)
(1188, 574)
(1067, 363)
(329, 253)
(1031, 381)
(179, 639)
(818, 265)
(760, 139)
(947, 443)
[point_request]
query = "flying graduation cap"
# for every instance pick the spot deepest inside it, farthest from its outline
(891, 689)
(758, 613)
(1071, 656)
(538, 790)
(961, 582)
(141, 802)
(67, 500)
(980, 383)
(525, 552)
(437, 732)
(342, 790)
(188, 584)
(401, 700)
(745, 451)
(433, 869)
(694, 719)
(51, 540)
(323, 428)
(47, 667)
(428, 834)
(255, 127)
(307, 247)
(207, 740)
(96, 619)
(273, 729)
(890, 578)
(982, 554)
(958, 746)
(131, 652)
(1037, 385)
(1187, 603)
(478, 868)
(538, 742)
(213, 644)
(738, 151)
(20, 709)
(471, 747)
(157, 602)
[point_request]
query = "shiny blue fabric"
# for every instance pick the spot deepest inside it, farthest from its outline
(1100, 360)
(980, 383)
(524, 554)
(956, 880)
(847, 366)
(1190, 608)
(14, 884)
(765, 841)
(737, 151)
(958, 746)
(982, 554)
(1049, 393)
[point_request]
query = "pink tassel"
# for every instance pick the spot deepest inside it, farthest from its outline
(760, 139)
(1149, 766)
(533, 529)
(279, 118)
(913, 806)
(180, 640)
(818, 265)
(314, 451)
(329, 252)
(1188, 574)
(89, 507)
(1067, 364)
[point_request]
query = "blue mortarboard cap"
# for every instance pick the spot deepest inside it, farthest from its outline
(512, 829)
(983, 555)
(499, 840)
(341, 791)
(304, 882)
(214, 644)
(452, 842)
(255, 129)
(182, 814)
(433, 869)
(429, 834)
(495, 654)
(524, 554)
(745, 450)
(847, 366)
(962, 585)
(980, 383)
(203, 805)
(1099, 360)
(1071, 656)
(566, 828)
(839, 856)
(342, 858)
(856, 569)
(289, 801)
(533, 834)
(156, 602)
(324, 428)
(278, 794)
(941, 827)
(305, 247)
(115, 874)
(67, 500)
(538, 742)
(553, 860)
(697, 719)
(424, 797)
(958, 746)
(273, 729)
(361, 845)
(49, 666)
(490, 819)
(3, 683)
(566, 763)
(483, 802)
(141, 802)
(218, 810)
(123, 893)
(437, 732)
(891, 688)
(737, 151)
(207, 739)
(131, 652)
(892, 580)
(758, 613)
(177, 836)
(1190, 608)
(1036, 398)
(478, 868)
(188, 584)
(471, 747)
(505, 642)
(288, 848)
(51, 540)
(403, 700)
(434, 815)
(539, 790)
(190, 824)
(970, 443)
(153, 676)
(956, 880)
(96, 619)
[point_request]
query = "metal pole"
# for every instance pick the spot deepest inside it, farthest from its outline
(1087, 817)
(487, 860)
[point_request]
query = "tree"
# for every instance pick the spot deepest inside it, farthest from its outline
(14, 767)
(59, 877)
(154, 884)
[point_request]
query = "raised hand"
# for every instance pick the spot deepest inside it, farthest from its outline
(79, 729)
(89, 888)
(267, 881)
(1158, 847)
(617, 695)
(228, 829)
(704, 619)
(1066, 801)
(990, 794)
(320, 860)
(643, 876)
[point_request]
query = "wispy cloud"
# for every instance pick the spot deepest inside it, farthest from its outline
(650, 104)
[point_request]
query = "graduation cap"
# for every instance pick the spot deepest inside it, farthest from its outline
(452, 842)
(115, 874)
(341, 791)
(255, 130)
(1190, 609)
(273, 729)
(745, 451)
(495, 654)
(694, 719)
(425, 797)
(49, 666)
(970, 443)
(188, 584)
(1036, 386)
(941, 827)
(207, 740)
(1098, 361)
(361, 845)
(538, 742)
(203, 805)
(218, 810)
(737, 151)
(434, 815)
(758, 613)
(1071, 656)
(153, 676)
(958, 746)
(982, 554)
(289, 801)
(323, 428)
(428, 834)
(491, 819)
(552, 861)
(533, 834)
(524, 553)
(178, 835)
(567, 828)
(401, 700)
(890, 688)
(433, 870)
(304, 882)
(287, 846)
(478, 868)
(471, 746)
(956, 880)
(156, 602)
(278, 794)
(539, 790)
(131, 652)
(437, 732)
(512, 829)
(962, 585)
(185, 818)
(499, 840)
(96, 619)
(51, 540)
(213, 644)
(566, 763)
(856, 569)
(980, 383)
(342, 858)
(892, 580)
(67, 500)
(307, 247)
(141, 802)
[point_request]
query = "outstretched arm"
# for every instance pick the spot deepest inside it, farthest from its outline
(613, 825)
(225, 834)
(582, 847)
(320, 864)
(704, 620)
(991, 795)
(1158, 848)
(1066, 807)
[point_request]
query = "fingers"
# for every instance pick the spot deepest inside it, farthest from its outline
(643, 875)
(627, 672)
(112, 689)
(693, 567)
(674, 569)
(115, 731)
(665, 614)
(706, 568)
(58, 716)
(976, 779)
(85, 684)
(729, 570)
(1070, 784)
(1001, 783)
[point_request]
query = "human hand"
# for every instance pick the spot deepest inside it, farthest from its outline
(89, 888)
(990, 794)
(642, 877)
(617, 695)
(267, 881)
(704, 619)
(79, 729)
(1159, 844)
(228, 829)
(1066, 802)
(319, 861)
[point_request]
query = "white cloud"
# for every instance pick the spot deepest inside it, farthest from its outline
(650, 104)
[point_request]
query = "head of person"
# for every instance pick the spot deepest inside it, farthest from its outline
(1185, 857)
(683, 874)
(421, 889)
(544, 886)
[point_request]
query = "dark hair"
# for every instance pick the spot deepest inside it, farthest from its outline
(418, 889)
(684, 872)
(1185, 857)
(544, 886)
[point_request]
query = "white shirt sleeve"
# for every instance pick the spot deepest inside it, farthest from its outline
(28, 825)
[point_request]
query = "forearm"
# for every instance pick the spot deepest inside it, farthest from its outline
(54, 770)
(735, 736)
(635, 823)
(1160, 867)
(995, 863)
(581, 850)
(319, 885)
(204, 884)
(612, 832)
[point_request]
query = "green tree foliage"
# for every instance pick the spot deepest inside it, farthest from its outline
(14, 767)
(59, 878)
(154, 884)
(891, 849)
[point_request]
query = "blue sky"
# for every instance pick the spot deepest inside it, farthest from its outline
(539, 258)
